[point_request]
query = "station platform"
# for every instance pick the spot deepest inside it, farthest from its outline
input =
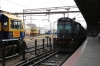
(88, 54)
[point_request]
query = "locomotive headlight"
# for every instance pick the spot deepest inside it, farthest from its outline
(63, 36)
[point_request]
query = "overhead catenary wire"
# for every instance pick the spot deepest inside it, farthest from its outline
(25, 6)
(76, 15)
(16, 4)
(61, 2)
(65, 2)
(65, 8)
(44, 17)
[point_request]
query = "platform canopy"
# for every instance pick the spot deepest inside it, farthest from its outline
(90, 10)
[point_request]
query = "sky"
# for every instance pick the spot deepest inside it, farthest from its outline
(19, 5)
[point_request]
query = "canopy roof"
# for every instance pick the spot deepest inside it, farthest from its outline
(90, 10)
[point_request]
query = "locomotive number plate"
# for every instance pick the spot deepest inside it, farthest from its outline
(16, 34)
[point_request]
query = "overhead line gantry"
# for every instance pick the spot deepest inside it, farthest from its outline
(49, 10)
(56, 12)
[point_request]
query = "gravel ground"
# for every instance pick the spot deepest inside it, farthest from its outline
(31, 40)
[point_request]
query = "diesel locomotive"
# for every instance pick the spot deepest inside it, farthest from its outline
(70, 35)
(34, 31)
(12, 33)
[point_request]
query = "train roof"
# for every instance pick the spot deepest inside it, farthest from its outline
(64, 18)
(2, 11)
(77, 23)
(8, 14)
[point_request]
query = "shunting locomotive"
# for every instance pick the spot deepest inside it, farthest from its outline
(34, 31)
(12, 33)
(70, 35)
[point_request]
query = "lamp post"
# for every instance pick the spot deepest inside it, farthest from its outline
(24, 21)
(49, 21)
(39, 30)
(48, 15)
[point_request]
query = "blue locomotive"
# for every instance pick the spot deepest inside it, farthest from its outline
(70, 35)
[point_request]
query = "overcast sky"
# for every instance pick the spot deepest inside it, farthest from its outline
(19, 5)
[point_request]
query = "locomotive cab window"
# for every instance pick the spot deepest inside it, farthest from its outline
(68, 27)
(65, 25)
(16, 24)
(5, 23)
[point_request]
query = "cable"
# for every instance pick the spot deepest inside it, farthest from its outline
(17, 4)
(61, 2)
(65, 2)
(44, 18)
(76, 15)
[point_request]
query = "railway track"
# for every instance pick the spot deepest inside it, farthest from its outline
(35, 46)
(55, 60)
(35, 59)
(51, 58)
(28, 50)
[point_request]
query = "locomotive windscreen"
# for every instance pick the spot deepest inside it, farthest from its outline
(16, 24)
(64, 28)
